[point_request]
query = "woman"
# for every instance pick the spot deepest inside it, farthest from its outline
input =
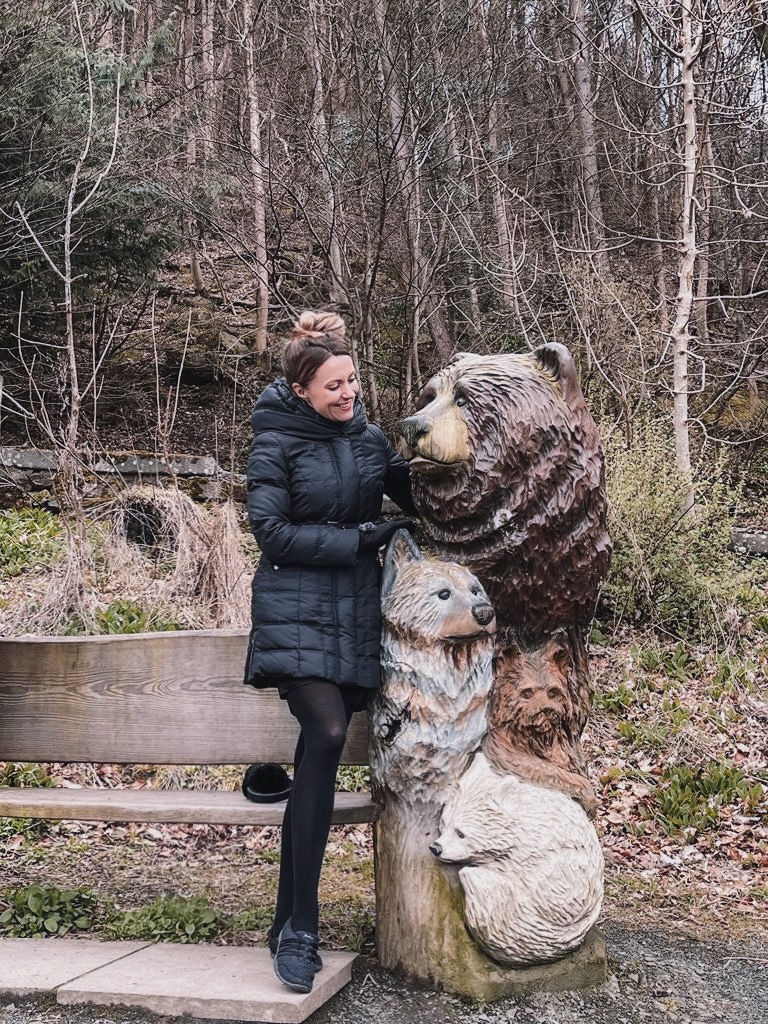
(317, 472)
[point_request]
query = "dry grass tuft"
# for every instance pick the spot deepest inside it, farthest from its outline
(155, 559)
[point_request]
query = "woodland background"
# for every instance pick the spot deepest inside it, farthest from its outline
(471, 175)
(178, 181)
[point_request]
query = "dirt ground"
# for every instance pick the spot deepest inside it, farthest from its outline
(653, 978)
(666, 964)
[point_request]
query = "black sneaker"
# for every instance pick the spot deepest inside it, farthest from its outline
(273, 940)
(295, 958)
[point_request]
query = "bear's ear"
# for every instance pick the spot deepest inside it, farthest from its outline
(456, 357)
(557, 360)
(400, 550)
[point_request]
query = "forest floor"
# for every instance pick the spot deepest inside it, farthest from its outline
(671, 958)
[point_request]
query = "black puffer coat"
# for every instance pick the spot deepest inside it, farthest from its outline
(311, 482)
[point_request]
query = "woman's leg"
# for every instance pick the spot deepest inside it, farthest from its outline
(284, 905)
(323, 715)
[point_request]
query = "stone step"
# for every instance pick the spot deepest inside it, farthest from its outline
(171, 979)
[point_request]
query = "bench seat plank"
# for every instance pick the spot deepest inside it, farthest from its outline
(159, 698)
(184, 806)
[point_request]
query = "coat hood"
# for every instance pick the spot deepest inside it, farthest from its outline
(279, 408)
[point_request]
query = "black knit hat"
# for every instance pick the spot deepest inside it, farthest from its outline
(266, 783)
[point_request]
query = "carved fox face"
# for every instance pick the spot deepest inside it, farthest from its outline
(531, 696)
(431, 600)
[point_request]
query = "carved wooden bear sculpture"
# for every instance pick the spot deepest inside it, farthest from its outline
(529, 862)
(508, 476)
(533, 720)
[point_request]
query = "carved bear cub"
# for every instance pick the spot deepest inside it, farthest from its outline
(529, 862)
(437, 653)
(533, 724)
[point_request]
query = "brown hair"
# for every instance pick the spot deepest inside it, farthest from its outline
(316, 336)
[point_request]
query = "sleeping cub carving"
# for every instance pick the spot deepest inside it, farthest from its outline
(529, 862)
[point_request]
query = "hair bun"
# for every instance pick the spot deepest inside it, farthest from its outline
(316, 323)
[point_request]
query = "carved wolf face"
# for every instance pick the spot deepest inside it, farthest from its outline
(429, 600)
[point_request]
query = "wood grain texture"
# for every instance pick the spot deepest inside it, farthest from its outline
(156, 698)
(186, 806)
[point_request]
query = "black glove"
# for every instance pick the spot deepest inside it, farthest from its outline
(375, 535)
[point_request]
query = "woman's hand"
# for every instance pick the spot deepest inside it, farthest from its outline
(376, 535)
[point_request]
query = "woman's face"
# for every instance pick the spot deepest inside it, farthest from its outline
(332, 390)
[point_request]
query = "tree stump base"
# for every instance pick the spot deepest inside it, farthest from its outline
(585, 967)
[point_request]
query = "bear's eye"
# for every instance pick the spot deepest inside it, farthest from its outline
(444, 594)
(527, 693)
(475, 590)
(460, 834)
(461, 400)
(554, 694)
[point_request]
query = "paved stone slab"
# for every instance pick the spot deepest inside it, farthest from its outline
(35, 966)
(212, 982)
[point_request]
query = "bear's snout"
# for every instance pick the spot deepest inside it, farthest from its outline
(414, 427)
(483, 614)
(435, 849)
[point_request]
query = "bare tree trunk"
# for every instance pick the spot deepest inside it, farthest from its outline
(188, 42)
(680, 331)
(500, 220)
(424, 307)
(704, 236)
(208, 91)
(587, 137)
(257, 180)
(322, 148)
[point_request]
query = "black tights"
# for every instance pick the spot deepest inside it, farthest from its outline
(323, 714)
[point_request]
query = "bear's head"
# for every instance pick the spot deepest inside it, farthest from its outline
(531, 699)
(430, 601)
(475, 825)
(490, 818)
(485, 424)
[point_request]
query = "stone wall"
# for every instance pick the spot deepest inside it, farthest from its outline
(27, 473)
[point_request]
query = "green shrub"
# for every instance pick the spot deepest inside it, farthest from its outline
(679, 663)
(671, 569)
(28, 537)
(353, 778)
(30, 828)
(123, 616)
(169, 920)
(691, 799)
(620, 698)
(37, 912)
(651, 736)
(20, 775)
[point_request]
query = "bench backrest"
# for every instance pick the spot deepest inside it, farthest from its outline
(159, 698)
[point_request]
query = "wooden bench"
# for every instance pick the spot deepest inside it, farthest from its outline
(161, 699)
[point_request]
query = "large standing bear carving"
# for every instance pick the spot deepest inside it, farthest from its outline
(508, 476)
